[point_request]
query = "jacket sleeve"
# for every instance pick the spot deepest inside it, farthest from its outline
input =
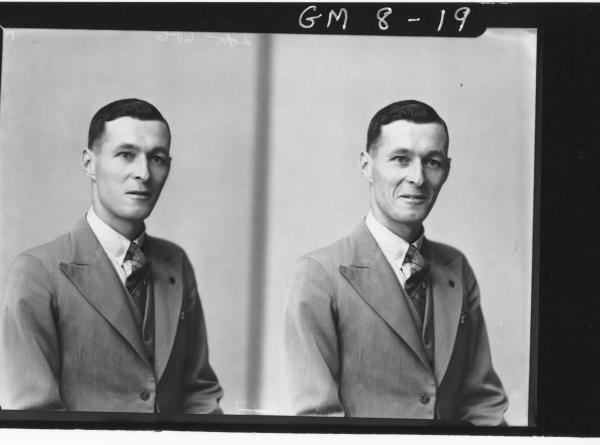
(201, 389)
(483, 400)
(29, 342)
(311, 355)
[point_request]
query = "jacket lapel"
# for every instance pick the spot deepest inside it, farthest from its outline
(447, 291)
(92, 273)
(372, 277)
(168, 292)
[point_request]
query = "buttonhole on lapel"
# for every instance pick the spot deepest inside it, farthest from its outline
(463, 314)
(172, 280)
(451, 283)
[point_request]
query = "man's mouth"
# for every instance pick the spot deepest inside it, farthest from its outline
(139, 194)
(414, 197)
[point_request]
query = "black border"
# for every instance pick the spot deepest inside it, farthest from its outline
(565, 326)
(535, 272)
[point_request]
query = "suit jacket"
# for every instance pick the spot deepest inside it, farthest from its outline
(68, 339)
(352, 348)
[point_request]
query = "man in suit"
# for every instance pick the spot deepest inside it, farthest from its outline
(106, 317)
(385, 322)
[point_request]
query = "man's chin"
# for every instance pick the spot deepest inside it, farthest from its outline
(138, 214)
(410, 219)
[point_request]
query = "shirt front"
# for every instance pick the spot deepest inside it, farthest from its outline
(113, 243)
(393, 247)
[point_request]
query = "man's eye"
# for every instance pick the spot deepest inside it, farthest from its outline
(127, 155)
(160, 160)
(434, 163)
(402, 160)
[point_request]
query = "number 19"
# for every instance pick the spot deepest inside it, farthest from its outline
(460, 15)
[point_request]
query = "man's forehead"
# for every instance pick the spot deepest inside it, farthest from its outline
(404, 127)
(402, 132)
(126, 122)
(131, 130)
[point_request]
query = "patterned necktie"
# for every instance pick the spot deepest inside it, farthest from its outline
(414, 268)
(136, 281)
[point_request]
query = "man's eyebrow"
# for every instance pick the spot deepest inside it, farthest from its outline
(402, 150)
(440, 153)
(126, 146)
(399, 150)
(160, 149)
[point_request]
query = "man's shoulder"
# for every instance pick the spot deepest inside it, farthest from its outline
(445, 252)
(317, 269)
(331, 255)
(55, 251)
(165, 248)
(357, 243)
(37, 266)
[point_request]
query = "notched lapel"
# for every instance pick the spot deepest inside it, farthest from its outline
(374, 280)
(168, 294)
(94, 276)
(447, 291)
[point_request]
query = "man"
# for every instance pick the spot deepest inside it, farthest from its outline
(106, 317)
(387, 323)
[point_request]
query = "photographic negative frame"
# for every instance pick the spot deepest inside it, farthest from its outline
(265, 31)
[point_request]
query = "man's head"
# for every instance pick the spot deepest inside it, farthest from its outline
(406, 162)
(128, 161)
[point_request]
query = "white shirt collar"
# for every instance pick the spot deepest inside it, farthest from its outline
(114, 244)
(393, 247)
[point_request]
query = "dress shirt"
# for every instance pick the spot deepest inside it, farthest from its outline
(393, 247)
(114, 244)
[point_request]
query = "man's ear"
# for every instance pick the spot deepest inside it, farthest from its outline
(88, 162)
(448, 163)
(365, 165)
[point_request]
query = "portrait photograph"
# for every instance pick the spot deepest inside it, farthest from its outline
(270, 177)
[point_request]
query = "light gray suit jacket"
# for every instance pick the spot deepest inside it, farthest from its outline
(352, 348)
(68, 339)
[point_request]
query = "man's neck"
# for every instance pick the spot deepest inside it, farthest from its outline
(409, 233)
(129, 229)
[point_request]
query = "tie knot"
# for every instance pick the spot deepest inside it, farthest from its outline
(136, 258)
(415, 262)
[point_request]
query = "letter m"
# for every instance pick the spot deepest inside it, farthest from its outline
(338, 16)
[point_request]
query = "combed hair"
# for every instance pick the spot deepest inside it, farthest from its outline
(404, 110)
(136, 108)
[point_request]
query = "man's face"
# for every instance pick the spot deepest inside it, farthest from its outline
(406, 171)
(128, 167)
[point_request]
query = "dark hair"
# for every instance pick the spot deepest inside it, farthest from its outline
(135, 108)
(404, 110)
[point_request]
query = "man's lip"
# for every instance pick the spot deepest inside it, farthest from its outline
(139, 193)
(413, 196)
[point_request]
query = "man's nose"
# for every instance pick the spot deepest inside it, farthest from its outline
(141, 168)
(415, 172)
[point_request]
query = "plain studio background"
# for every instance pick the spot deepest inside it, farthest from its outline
(266, 136)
